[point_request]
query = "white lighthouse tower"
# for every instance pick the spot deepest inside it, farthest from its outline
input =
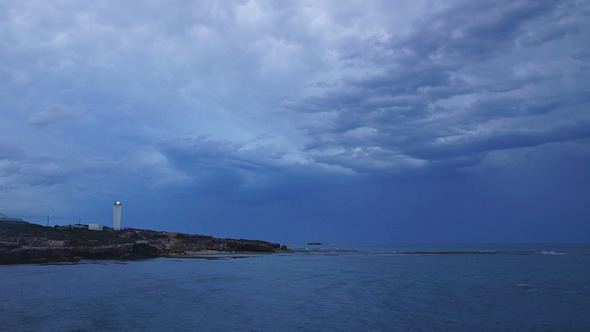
(117, 215)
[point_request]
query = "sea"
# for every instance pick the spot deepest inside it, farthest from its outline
(330, 287)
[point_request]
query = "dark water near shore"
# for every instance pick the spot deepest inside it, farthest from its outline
(537, 287)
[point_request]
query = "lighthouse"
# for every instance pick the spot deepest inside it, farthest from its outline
(117, 215)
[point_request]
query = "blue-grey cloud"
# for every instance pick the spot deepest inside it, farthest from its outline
(54, 115)
(465, 82)
(250, 171)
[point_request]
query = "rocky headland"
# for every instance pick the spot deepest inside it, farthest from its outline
(23, 242)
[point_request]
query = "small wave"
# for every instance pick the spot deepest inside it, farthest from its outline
(551, 253)
(326, 251)
(468, 252)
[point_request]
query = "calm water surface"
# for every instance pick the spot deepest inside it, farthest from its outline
(324, 288)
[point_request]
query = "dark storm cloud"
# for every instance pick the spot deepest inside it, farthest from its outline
(503, 141)
(238, 171)
(475, 31)
(470, 52)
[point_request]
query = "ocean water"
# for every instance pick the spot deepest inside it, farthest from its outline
(516, 287)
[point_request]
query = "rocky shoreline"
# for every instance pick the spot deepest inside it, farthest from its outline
(22, 242)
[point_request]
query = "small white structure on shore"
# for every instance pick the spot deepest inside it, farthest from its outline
(95, 227)
(117, 215)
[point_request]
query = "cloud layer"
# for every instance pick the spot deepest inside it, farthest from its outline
(262, 105)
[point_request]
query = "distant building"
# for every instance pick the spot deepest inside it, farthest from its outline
(6, 219)
(95, 227)
(117, 215)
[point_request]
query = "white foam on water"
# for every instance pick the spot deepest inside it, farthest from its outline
(551, 252)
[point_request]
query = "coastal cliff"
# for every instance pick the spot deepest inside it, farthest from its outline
(23, 242)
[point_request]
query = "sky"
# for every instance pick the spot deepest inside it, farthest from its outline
(297, 121)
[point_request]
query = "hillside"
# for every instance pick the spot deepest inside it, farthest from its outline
(23, 242)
